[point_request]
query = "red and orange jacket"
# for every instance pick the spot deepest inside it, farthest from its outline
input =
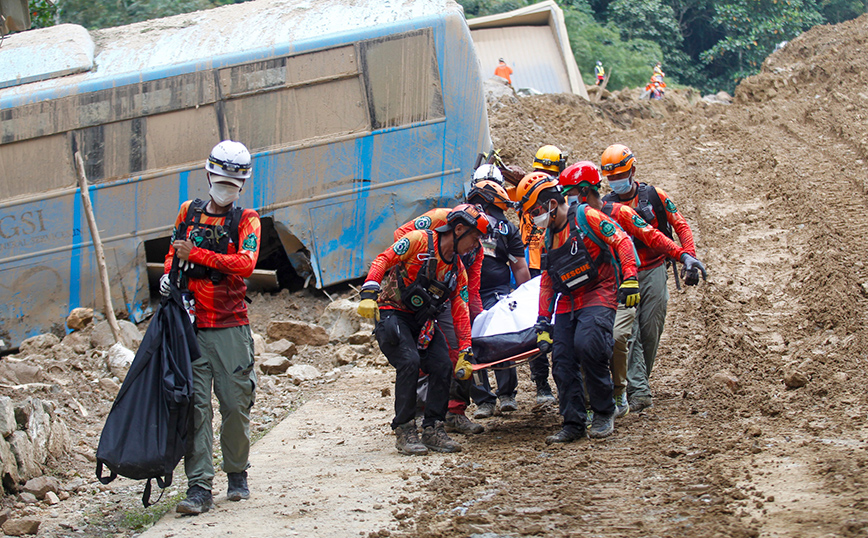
(434, 219)
(647, 256)
(602, 291)
(221, 305)
(651, 245)
(533, 239)
(408, 256)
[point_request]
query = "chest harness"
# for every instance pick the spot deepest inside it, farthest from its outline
(426, 296)
(649, 206)
(215, 238)
(571, 266)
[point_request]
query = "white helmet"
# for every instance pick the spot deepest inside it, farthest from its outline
(490, 172)
(230, 159)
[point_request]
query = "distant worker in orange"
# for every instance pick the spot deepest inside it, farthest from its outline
(503, 71)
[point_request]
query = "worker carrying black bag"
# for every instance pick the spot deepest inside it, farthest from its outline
(145, 434)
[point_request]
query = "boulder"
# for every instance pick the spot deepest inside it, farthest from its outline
(38, 430)
(59, 438)
(28, 498)
(41, 485)
(108, 384)
(341, 319)
(282, 347)
(25, 371)
(51, 498)
(118, 360)
(298, 332)
(23, 450)
(795, 379)
(38, 344)
(345, 354)
(78, 341)
(258, 344)
(300, 373)
(361, 337)
(727, 379)
(79, 318)
(7, 416)
(102, 337)
(274, 364)
(8, 464)
(20, 527)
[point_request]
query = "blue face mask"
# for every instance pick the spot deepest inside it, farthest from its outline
(621, 186)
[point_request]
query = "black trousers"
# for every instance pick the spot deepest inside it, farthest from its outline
(397, 333)
(583, 342)
(507, 378)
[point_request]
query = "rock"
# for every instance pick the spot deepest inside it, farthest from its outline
(25, 371)
(74, 484)
(58, 440)
(102, 337)
(9, 463)
(20, 527)
(38, 344)
(274, 364)
(341, 319)
(108, 384)
(119, 360)
(79, 318)
(299, 332)
(41, 485)
(727, 379)
(361, 337)
(795, 379)
(300, 373)
(4, 515)
(282, 347)
(23, 450)
(27, 498)
(78, 341)
(344, 355)
(7, 416)
(51, 498)
(258, 344)
(39, 429)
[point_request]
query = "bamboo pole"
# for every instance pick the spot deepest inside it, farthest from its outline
(97, 245)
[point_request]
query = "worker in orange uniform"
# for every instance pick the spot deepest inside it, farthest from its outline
(503, 71)
(657, 209)
(419, 273)
(590, 268)
(583, 179)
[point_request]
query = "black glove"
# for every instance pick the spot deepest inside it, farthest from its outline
(691, 269)
(543, 334)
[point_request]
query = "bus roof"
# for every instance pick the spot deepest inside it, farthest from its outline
(275, 26)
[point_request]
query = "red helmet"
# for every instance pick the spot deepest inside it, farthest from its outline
(491, 192)
(470, 215)
(581, 174)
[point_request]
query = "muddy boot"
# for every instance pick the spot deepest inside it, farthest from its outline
(407, 441)
(237, 489)
(484, 410)
(436, 439)
(638, 403)
(602, 426)
(199, 500)
(508, 404)
(459, 423)
(544, 394)
(566, 435)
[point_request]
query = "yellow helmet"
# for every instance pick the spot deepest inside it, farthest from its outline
(549, 158)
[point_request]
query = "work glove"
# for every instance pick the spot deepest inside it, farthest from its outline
(186, 265)
(368, 307)
(165, 287)
(463, 367)
(543, 334)
(691, 269)
(628, 293)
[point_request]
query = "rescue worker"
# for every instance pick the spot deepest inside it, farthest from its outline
(502, 251)
(580, 289)
(218, 251)
(599, 72)
(657, 209)
(460, 389)
(584, 180)
(549, 160)
(419, 272)
(503, 71)
(658, 71)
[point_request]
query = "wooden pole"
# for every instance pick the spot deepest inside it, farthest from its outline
(602, 86)
(97, 245)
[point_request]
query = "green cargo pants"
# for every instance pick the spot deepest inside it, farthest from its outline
(227, 364)
(623, 334)
(647, 329)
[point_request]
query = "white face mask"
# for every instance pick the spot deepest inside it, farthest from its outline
(542, 221)
(224, 194)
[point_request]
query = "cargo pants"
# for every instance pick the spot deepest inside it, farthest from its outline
(647, 329)
(623, 334)
(227, 365)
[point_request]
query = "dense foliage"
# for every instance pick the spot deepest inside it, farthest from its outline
(701, 43)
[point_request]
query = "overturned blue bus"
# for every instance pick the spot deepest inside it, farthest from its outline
(358, 117)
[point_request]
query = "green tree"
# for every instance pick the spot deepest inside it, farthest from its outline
(835, 11)
(42, 13)
(646, 19)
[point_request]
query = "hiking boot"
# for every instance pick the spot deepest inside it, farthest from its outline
(544, 395)
(638, 403)
(484, 410)
(459, 423)
(602, 426)
(508, 404)
(566, 435)
(237, 489)
(407, 441)
(436, 439)
(622, 406)
(198, 501)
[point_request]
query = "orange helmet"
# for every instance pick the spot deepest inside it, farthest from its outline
(616, 159)
(529, 188)
(549, 158)
(581, 174)
(491, 193)
(470, 215)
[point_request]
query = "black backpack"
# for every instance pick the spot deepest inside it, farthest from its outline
(145, 433)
